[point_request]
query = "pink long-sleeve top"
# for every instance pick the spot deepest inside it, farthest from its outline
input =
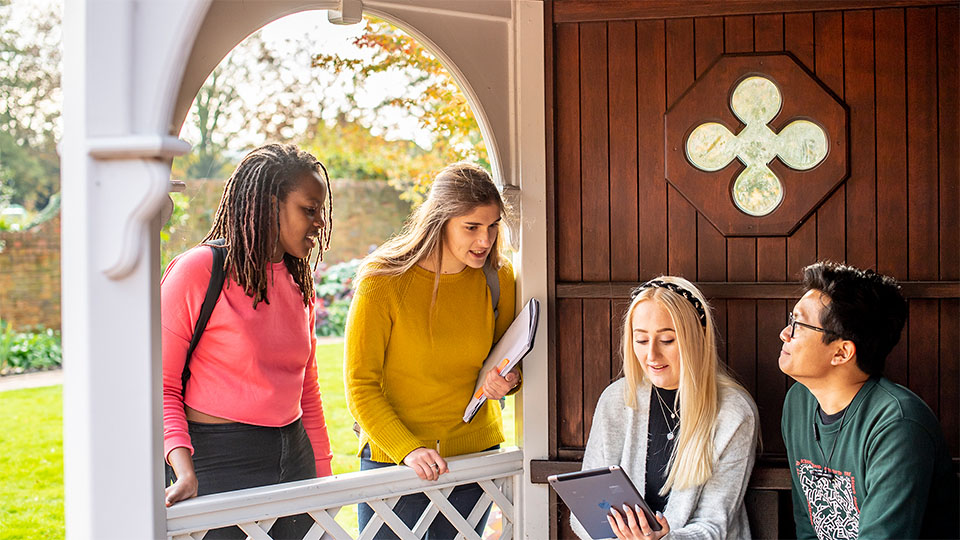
(255, 366)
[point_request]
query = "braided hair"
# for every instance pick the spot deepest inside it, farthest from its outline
(248, 218)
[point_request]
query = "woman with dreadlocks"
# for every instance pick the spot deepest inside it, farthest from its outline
(250, 413)
(421, 323)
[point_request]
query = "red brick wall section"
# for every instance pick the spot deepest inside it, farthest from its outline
(30, 276)
(366, 213)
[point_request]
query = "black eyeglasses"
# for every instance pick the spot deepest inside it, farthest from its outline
(794, 323)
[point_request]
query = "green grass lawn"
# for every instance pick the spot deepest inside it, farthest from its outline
(31, 463)
(31, 451)
(343, 441)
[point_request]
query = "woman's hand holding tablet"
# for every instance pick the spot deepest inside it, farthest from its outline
(594, 495)
(635, 526)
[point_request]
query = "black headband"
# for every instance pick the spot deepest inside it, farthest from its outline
(694, 301)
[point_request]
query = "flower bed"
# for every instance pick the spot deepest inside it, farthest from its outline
(334, 288)
(31, 350)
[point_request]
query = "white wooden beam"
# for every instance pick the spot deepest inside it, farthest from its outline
(532, 405)
(115, 172)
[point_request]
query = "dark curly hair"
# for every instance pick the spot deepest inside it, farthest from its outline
(248, 217)
(865, 307)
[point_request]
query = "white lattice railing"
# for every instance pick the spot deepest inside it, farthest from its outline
(255, 510)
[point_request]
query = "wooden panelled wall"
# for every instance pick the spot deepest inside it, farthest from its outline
(618, 220)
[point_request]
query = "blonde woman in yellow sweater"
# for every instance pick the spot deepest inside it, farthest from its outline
(420, 325)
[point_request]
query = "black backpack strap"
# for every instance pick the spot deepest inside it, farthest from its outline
(217, 277)
(493, 282)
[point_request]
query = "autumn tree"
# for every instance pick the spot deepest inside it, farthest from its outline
(262, 91)
(30, 101)
(430, 95)
(349, 149)
(353, 112)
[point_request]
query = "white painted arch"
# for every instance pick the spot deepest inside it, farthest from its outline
(132, 69)
(453, 35)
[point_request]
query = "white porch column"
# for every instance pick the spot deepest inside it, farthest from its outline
(121, 59)
(532, 406)
(124, 93)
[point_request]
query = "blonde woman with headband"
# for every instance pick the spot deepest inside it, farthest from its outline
(420, 326)
(678, 424)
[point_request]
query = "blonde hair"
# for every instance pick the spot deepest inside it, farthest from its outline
(456, 191)
(701, 377)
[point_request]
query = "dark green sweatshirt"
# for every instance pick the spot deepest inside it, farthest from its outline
(891, 471)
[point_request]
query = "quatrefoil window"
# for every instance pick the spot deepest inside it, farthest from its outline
(801, 145)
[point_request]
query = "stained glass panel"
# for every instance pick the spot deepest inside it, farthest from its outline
(801, 145)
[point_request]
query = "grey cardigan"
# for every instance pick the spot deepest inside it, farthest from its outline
(712, 510)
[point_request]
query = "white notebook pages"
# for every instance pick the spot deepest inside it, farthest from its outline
(515, 343)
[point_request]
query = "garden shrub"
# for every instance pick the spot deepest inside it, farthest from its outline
(334, 288)
(31, 350)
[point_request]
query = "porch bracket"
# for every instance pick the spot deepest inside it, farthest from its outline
(133, 180)
(511, 196)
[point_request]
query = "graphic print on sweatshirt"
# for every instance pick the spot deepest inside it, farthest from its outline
(832, 503)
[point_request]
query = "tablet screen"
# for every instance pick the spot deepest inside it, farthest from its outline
(590, 495)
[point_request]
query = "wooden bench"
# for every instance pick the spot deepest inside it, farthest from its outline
(767, 499)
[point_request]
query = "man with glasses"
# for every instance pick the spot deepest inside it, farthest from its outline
(867, 456)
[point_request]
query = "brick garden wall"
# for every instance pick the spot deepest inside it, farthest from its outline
(30, 276)
(365, 213)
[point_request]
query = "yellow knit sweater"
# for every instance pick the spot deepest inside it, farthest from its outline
(410, 375)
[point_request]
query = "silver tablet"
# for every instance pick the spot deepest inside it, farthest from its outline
(590, 495)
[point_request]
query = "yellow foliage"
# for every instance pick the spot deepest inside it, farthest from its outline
(433, 98)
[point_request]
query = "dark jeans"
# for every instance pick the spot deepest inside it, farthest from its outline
(410, 507)
(228, 457)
